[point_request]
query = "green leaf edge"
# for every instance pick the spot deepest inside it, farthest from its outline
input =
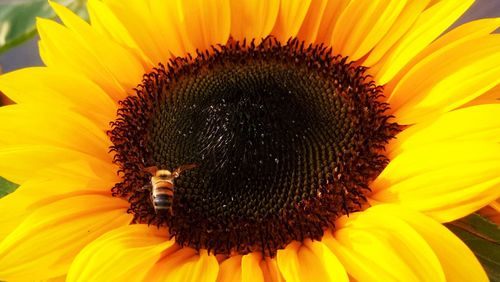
(77, 6)
(18, 41)
(483, 238)
(6, 187)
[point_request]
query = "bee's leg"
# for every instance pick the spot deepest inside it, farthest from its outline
(152, 201)
(149, 188)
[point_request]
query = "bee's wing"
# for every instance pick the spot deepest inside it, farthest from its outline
(182, 168)
(151, 170)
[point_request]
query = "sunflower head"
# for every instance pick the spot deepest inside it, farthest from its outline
(253, 140)
(286, 138)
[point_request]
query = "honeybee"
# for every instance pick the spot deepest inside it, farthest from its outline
(162, 186)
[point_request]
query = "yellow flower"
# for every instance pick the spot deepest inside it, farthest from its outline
(364, 210)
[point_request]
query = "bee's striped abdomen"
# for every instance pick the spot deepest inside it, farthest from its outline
(162, 202)
(163, 193)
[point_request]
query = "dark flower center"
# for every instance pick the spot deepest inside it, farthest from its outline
(284, 139)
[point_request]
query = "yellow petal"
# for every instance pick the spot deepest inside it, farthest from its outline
(363, 24)
(141, 25)
(206, 23)
(253, 19)
(492, 96)
(44, 245)
(168, 20)
(430, 24)
(57, 279)
(125, 253)
(457, 261)
(250, 268)
(52, 184)
(56, 89)
(270, 270)
(478, 123)
(230, 270)
(290, 17)
(86, 169)
(162, 28)
(310, 261)
(451, 39)
(74, 57)
(178, 27)
(459, 75)
(121, 65)
(358, 265)
(329, 19)
(185, 265)
(19, 162)
(382, 247)
(459, 35)
(471, 200)
(105, 22)
(408, 15)
(30, 124)
(362, 42)
(446, 180)
(310, 27)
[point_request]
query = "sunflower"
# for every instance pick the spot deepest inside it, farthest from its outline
(250, 140)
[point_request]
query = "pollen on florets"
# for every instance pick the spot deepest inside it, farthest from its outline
(285, 138)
